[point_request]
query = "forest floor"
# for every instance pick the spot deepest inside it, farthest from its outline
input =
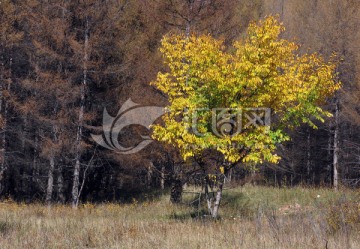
(251, 217)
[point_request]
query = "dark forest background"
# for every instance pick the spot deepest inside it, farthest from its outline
(62, 62)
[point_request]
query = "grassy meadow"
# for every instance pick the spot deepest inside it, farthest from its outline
(251, 217)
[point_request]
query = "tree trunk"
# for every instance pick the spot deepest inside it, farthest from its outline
(35, 166)
(209, 198)
(176, 191)
(50, 184)
(76, 183)
(336, 148)
(3, 147)
(162, 177)
(4, 117)
(329, 155)
(149, 175)
(218, 197)
(189, 20)
(308, 157)
(60, 184)
(213, 202)
(229, 175)
(282, 3)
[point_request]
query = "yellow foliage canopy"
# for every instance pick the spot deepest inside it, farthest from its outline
(259, 71)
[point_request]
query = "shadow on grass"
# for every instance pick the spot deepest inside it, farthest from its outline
(233, 204)
(191, 215)
(6, 227)
(238, 204)
(139, 196)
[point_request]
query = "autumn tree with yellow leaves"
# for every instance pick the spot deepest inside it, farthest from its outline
(259, 72)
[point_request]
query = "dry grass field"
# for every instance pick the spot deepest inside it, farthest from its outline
(251, 217)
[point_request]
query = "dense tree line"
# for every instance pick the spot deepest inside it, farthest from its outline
(63, 62)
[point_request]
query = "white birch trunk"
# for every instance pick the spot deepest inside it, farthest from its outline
(162, 178)
(213, 204)
(209, 199)
(76, 183)
(50, 183)
(218, 197)
(229, 175)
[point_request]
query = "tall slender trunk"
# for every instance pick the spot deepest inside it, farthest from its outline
(189, 20)
(149, 175)
(282, 3)
(76, 182)
(162, 177)
(35, 166)
(329, 154)
(308, 156)
(336, 148)
(60, 183)
(3, 145)
(50, 184)
(4, 118)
